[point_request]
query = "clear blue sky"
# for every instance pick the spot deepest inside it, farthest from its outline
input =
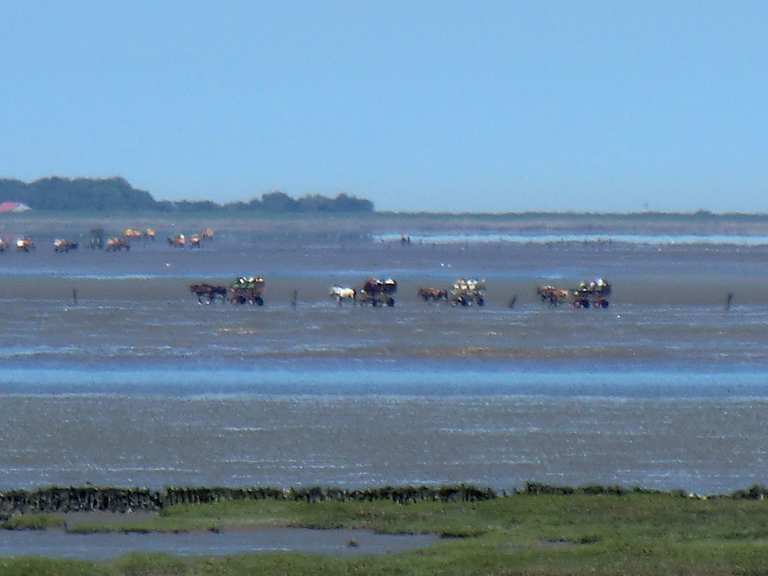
(430, 105)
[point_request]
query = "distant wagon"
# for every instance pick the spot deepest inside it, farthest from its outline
(61, 245)
(24, 245)
(178, 241)
(247, 290)
(377, 292)
(132, 234)
(117, 244)
(467, 292)
(3, 245)
(592, 294)
(598, 287)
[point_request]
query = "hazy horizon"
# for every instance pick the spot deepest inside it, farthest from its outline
(416, 212)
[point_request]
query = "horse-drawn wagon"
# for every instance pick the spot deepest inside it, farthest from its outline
(24, 245)
(467, 291)
(61, 245)
(117, 244)
(177, 241)
(377, 292)
(132, 234)
(247, 290)
(592, 294)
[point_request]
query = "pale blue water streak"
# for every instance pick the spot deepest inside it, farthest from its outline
(389, 379)
(533, 238)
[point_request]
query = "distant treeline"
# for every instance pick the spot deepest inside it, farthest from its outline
(117, 195)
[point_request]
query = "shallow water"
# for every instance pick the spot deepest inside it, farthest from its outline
(59, 544)
(137, 384)
(351, 440)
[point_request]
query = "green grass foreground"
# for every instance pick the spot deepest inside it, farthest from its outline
(550, 534)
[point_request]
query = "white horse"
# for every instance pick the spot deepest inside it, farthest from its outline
(341, 294)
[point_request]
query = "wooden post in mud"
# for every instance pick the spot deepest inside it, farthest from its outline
(295, 299)
(728, 301)
(513, 301)
(74, 296)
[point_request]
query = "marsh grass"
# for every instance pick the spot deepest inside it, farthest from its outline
(33, 522)
(531, 534)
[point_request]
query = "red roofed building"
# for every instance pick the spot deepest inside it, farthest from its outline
(13, 207)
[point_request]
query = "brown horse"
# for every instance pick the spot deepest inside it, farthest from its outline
(553, 295)
(432, 294)
(208, 292)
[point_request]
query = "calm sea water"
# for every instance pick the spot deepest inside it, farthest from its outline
(138, 384)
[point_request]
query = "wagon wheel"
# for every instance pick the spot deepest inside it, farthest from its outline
(390, 302)
(480, 301)
(259, 301)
